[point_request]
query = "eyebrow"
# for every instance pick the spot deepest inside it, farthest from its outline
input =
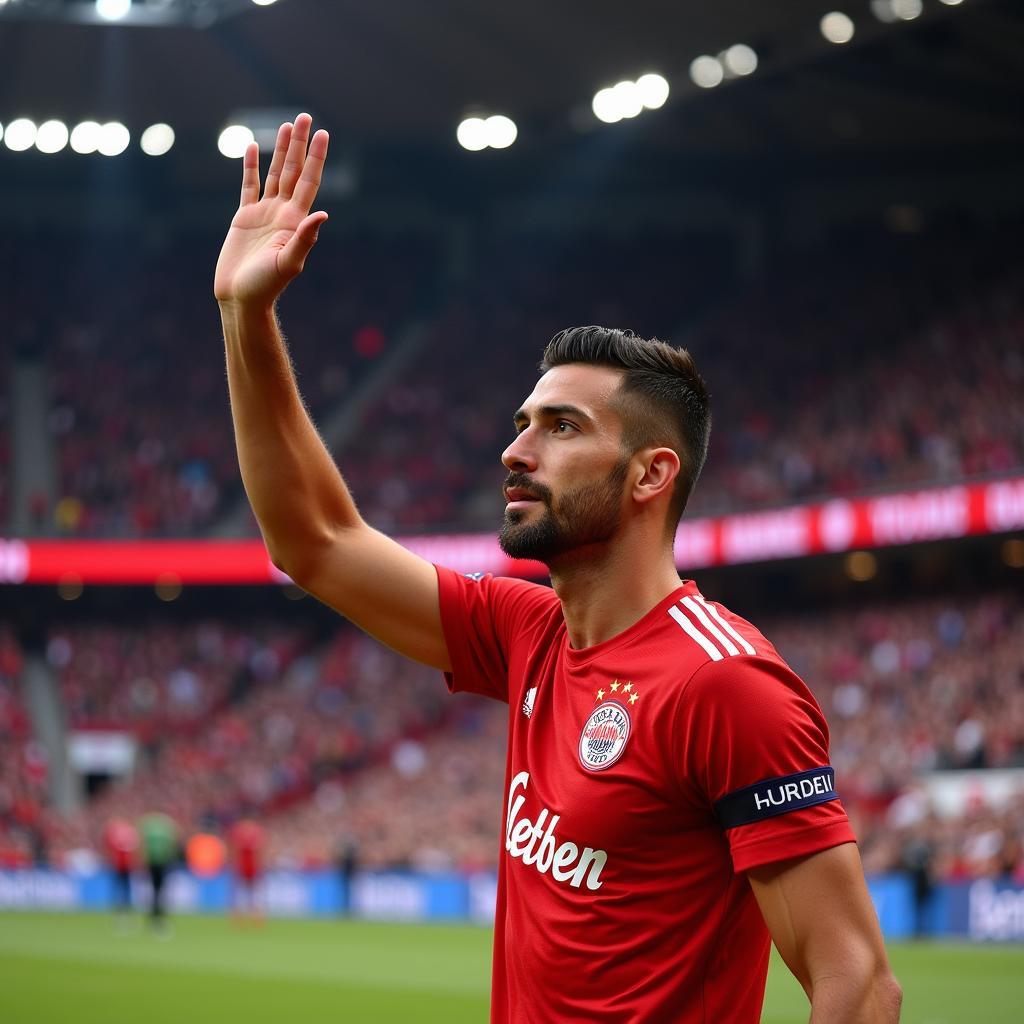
(550, 411)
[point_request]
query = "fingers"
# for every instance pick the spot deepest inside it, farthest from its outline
(312, 171)
(284, 134)
(250, 175)
(296, 155)
(292, 258)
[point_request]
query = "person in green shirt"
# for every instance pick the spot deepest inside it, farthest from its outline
(158, 836)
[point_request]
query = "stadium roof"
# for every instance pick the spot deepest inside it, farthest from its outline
(402, 73)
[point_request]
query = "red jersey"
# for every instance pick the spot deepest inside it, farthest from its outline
(645, 774)
(122, 843)
(247, 840)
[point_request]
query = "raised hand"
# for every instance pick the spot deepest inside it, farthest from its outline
(270, 237)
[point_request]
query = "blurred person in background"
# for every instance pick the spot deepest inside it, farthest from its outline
(121, 841)
(161, 849)
(670, 804)
(247, 841)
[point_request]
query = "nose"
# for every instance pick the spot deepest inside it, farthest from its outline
(518, 456)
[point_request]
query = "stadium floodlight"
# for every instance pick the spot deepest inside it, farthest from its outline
(907, 10)
(51, 137)
(472, 134)
(157, 139)
(837, 27)
(627, 95)
(606, 106)
(20, 135)
(113, 139)
(501, 131)
(234, 141)
(653, 90)
(740, 60)
(113, 10)
(85, 137)
(706, 72)
(882, 10)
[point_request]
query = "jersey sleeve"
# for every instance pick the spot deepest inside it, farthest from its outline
(483, 616)
(755, 750)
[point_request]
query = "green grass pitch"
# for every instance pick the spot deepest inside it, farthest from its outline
(86, 969)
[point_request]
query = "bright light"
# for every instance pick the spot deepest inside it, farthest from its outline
(653, 91)
(740, 59)
(501, 131)
(706, 72)
(264, 3)
(951, 3)
(907, 10)
(113, 10)
(861, 566)
(234, 141)
(606, 106)
(157, 139)
(628, 98)
(882, 10)
(85, 137)
(21, 135)
(837, 27)
(472, 134)
(51, 137)
(114, 138)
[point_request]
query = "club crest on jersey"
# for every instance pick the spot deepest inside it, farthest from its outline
(604, 736)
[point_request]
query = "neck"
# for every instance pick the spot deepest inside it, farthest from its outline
(606, 588)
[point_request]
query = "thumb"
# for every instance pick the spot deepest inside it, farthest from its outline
(292, 257)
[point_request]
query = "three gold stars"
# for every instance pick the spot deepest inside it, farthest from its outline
(615, 686)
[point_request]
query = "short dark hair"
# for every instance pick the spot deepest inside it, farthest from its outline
(663, 399)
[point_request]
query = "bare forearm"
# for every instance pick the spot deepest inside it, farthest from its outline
(846, 999)
(295, 489)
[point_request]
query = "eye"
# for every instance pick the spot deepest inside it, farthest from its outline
(564, 426)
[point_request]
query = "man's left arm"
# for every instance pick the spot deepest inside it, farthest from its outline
(823, 923)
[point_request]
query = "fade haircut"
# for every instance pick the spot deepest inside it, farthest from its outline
(663, 400)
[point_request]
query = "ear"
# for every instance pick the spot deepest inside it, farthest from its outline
(658, 469)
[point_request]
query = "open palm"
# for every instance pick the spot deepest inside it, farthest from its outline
(270, 237)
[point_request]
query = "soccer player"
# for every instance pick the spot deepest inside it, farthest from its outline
(669, 802)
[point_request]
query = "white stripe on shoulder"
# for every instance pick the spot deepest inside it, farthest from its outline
(734, 633)
(684, 620)
(702, 618)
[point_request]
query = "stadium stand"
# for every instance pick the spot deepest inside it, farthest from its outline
(345, 742)
(139, 411)
(428, 456)
(143, 436)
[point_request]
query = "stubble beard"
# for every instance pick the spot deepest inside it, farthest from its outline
(584, 515)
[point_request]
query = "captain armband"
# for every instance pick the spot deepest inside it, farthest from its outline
(772, 797)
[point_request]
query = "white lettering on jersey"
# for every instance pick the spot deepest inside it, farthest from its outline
(785, 793)
(535, 843)
(531, 696)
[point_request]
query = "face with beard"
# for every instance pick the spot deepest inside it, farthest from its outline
(567, 430)
(585, 514)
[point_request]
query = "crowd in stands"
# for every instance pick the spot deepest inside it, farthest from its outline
(343, 744)
(828, 377)
(139, 409)
(840, 371)
(162, 677)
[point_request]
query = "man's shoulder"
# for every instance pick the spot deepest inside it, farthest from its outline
(504, 596)
(704, 632)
